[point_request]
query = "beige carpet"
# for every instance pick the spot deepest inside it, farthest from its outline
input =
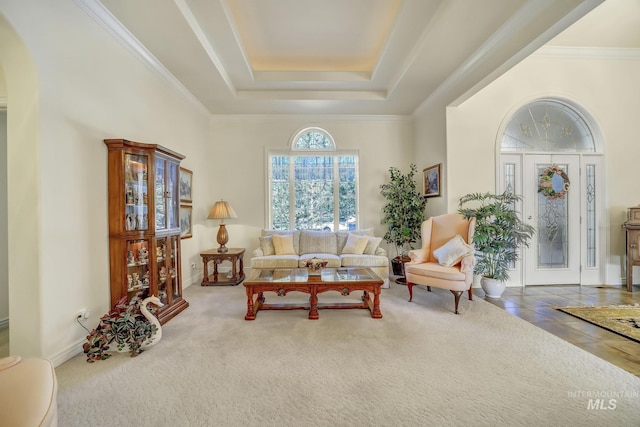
(621, 319)
(421, 365)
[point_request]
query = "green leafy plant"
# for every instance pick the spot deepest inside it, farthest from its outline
(499, 232)
(404, 211)
(123, 325)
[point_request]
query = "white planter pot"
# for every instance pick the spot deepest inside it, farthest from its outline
(492, 288)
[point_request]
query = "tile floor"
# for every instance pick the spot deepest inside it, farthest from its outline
(536, 305)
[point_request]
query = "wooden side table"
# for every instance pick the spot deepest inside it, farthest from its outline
(237, 266)
(633, 251)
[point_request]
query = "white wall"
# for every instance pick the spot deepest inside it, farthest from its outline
(608, 89)
(239, 164)
(85, 87)
(430, 149)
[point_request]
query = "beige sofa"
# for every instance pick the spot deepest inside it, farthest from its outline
(337, 248)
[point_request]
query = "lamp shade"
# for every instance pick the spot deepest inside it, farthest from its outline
(221, 210)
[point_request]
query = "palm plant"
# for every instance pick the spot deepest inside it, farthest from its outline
(499, 234)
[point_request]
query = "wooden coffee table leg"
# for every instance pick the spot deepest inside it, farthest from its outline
(251, 314)
(313, 305)
(376, 313)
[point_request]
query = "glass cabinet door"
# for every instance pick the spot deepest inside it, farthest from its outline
(163, 270)
(173, 207)
(160, 195)
(136, 195)
(173, 269)
(138, 270)
(168, 253)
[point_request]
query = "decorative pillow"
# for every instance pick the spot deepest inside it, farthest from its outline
(343, 234)
(283, 245)
(355, 244)
(372, 245)
(266, 244)
(453, 251)
(318, 242)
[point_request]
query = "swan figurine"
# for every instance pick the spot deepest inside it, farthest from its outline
(129, 327)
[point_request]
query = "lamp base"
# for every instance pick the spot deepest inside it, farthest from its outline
(223, 249)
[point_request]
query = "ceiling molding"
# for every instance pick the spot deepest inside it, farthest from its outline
(204, 42)
(575, 52)
(318, 119)
(312, 94)
(102, 16)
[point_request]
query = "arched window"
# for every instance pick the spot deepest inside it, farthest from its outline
(547, 126)
(313, 186)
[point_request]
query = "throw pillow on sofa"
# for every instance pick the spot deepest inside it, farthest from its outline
(453, 251)
(356, 244)
(266, 244)
(318, 242)
(372, 245)
(283, 245)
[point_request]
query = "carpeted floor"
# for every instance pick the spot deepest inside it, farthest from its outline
(419, 365)
(621, 319)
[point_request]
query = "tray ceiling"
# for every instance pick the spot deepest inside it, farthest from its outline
(370, 57)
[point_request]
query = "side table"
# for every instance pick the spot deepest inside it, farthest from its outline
(237, 266)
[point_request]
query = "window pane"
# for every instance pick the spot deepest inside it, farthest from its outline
(313, 192)
(347, 187)
(280, 193)
(314, 140)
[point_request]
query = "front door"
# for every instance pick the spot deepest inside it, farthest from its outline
(552, 189)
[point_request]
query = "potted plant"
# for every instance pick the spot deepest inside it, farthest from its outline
(403, 214)
(498, 236)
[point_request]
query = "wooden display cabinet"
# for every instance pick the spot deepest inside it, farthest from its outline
(144, 224)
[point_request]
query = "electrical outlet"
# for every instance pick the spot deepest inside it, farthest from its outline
(83, 314)
(193, 266)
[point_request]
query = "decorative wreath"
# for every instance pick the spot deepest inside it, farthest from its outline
(553, 183)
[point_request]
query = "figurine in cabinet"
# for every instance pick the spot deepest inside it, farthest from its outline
(135, 281)
(163, 274)
(143, 255)
(129, 281)
(130, 259)
(145, 278)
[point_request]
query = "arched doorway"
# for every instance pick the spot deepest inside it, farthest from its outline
(550, 154)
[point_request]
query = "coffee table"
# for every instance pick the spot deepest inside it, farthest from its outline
(343, 280)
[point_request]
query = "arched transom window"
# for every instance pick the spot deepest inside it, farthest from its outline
(547, 126)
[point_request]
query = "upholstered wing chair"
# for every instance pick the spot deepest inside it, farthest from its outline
(446, 258)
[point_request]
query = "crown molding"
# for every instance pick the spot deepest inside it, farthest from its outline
(575, 52)
(102, 16)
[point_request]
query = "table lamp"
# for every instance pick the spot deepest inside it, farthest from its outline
(222, 210)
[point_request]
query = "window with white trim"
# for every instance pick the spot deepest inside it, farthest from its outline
(313, 186)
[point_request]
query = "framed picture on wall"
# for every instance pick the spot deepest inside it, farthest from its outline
(431, 181)
(185, 221)
(186, 184)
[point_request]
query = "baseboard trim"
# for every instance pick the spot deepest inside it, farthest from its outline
(67, 353)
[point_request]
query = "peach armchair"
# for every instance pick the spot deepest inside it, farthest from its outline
(28, 392)
(445, 260)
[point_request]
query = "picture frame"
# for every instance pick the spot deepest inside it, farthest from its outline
(186, 185)
(431, 181)
(186, 221)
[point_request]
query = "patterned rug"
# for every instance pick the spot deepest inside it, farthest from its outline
(621, 319)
